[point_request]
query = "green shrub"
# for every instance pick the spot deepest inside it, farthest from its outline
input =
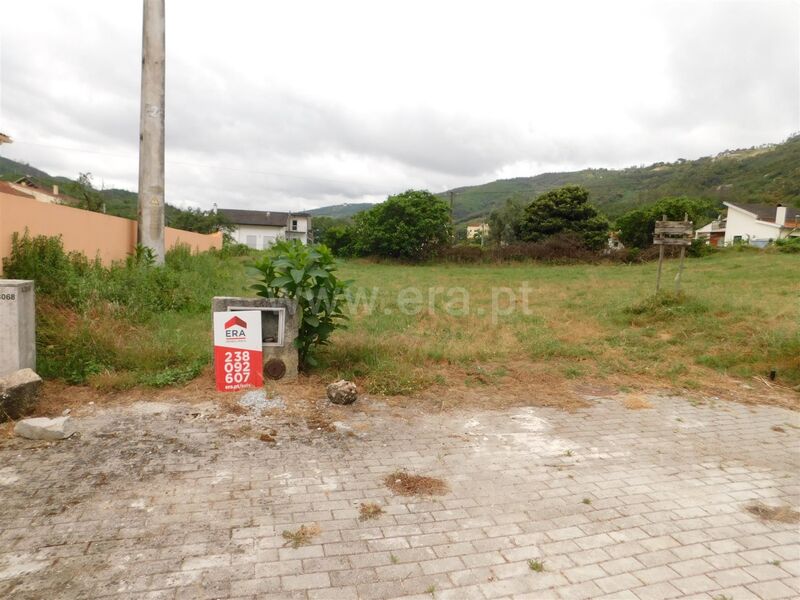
(788, 245)
(665, 306)
(290, 269)
(123, 323)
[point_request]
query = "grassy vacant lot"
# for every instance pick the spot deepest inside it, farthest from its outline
(740, 316)
(440, 331)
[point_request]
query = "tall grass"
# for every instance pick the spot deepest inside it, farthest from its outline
(125, 325)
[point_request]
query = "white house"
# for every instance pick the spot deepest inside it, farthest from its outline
(479, 230)
(759, 224)
(260, 229)
(713, 233)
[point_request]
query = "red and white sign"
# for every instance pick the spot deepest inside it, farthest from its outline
(237, 350)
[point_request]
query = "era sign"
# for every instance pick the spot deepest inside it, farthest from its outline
(237, 350)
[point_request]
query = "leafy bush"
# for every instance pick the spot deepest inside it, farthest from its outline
(121, 323)
(788, 245)
(564, 210)
(290, 269)
(636, 227)
(414, 225)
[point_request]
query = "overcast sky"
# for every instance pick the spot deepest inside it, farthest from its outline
(293, 105)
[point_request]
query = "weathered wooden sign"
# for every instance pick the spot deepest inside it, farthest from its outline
(672, 233)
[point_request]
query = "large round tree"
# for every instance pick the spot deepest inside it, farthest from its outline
(413, 225)
(564, 210)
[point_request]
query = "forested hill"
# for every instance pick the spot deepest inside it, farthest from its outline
(764, 174)
(120, 203)
(768, 174)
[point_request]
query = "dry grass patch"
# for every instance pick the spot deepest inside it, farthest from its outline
(403, 483)
(635, 402)
(782, 514)
(369, 510)
(302, 536)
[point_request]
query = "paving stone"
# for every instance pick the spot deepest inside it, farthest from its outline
(191, 511)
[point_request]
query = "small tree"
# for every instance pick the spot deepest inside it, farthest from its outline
(414, 225)
(83, 190)
(505, 223)
(290, 269)
(564, 210)
(636, 226)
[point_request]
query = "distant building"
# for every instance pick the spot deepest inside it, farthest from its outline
(759, 224)
(40, 191)
(713, 233)
(479, 230)
(614, 242)
(260, 229)
(753, 224)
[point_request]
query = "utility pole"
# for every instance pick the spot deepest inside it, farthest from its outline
(151, 131)
(452, 230)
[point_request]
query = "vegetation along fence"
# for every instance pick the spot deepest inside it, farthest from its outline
(94, 234)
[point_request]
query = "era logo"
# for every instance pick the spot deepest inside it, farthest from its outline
(235, 329)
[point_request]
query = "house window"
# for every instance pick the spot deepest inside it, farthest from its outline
(294, 224)
(252, 241)
(737, 239)
(268, 240)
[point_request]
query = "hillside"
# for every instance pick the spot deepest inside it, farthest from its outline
(340, 211)
(769, 173)
(120, 203)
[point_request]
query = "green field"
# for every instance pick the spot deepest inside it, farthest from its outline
(439, 328)
(740, 317)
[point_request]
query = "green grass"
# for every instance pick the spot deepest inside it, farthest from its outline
(738, 315)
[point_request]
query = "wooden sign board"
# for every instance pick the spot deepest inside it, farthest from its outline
(673, 233)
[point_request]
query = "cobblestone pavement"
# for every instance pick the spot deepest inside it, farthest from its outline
(169, 501)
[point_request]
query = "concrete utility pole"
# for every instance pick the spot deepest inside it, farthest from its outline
(151, 131)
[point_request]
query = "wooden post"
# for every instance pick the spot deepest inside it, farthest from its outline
(680, 265)
(672, 233)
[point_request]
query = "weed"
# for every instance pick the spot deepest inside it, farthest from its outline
(536, 566)
(431, 589)
(568, 453)
(587, 500)
(369, 510)
(393, 558)
(782, 514)
(775, 563)
(301, 537)
(406, 484)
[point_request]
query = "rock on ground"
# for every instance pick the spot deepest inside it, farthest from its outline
(18, 393)
(342, 392)
(42, 428)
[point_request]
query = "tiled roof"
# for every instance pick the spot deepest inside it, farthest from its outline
(766, 212)
(258, 217)
(7, 188)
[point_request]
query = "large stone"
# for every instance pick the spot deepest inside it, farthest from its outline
(18, 393)
(42, 428)
(342, 392)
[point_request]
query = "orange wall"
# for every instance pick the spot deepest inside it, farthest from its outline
(94, 234)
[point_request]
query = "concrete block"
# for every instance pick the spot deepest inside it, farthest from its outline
(18, 393)
(286, 352)
(17, 326)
